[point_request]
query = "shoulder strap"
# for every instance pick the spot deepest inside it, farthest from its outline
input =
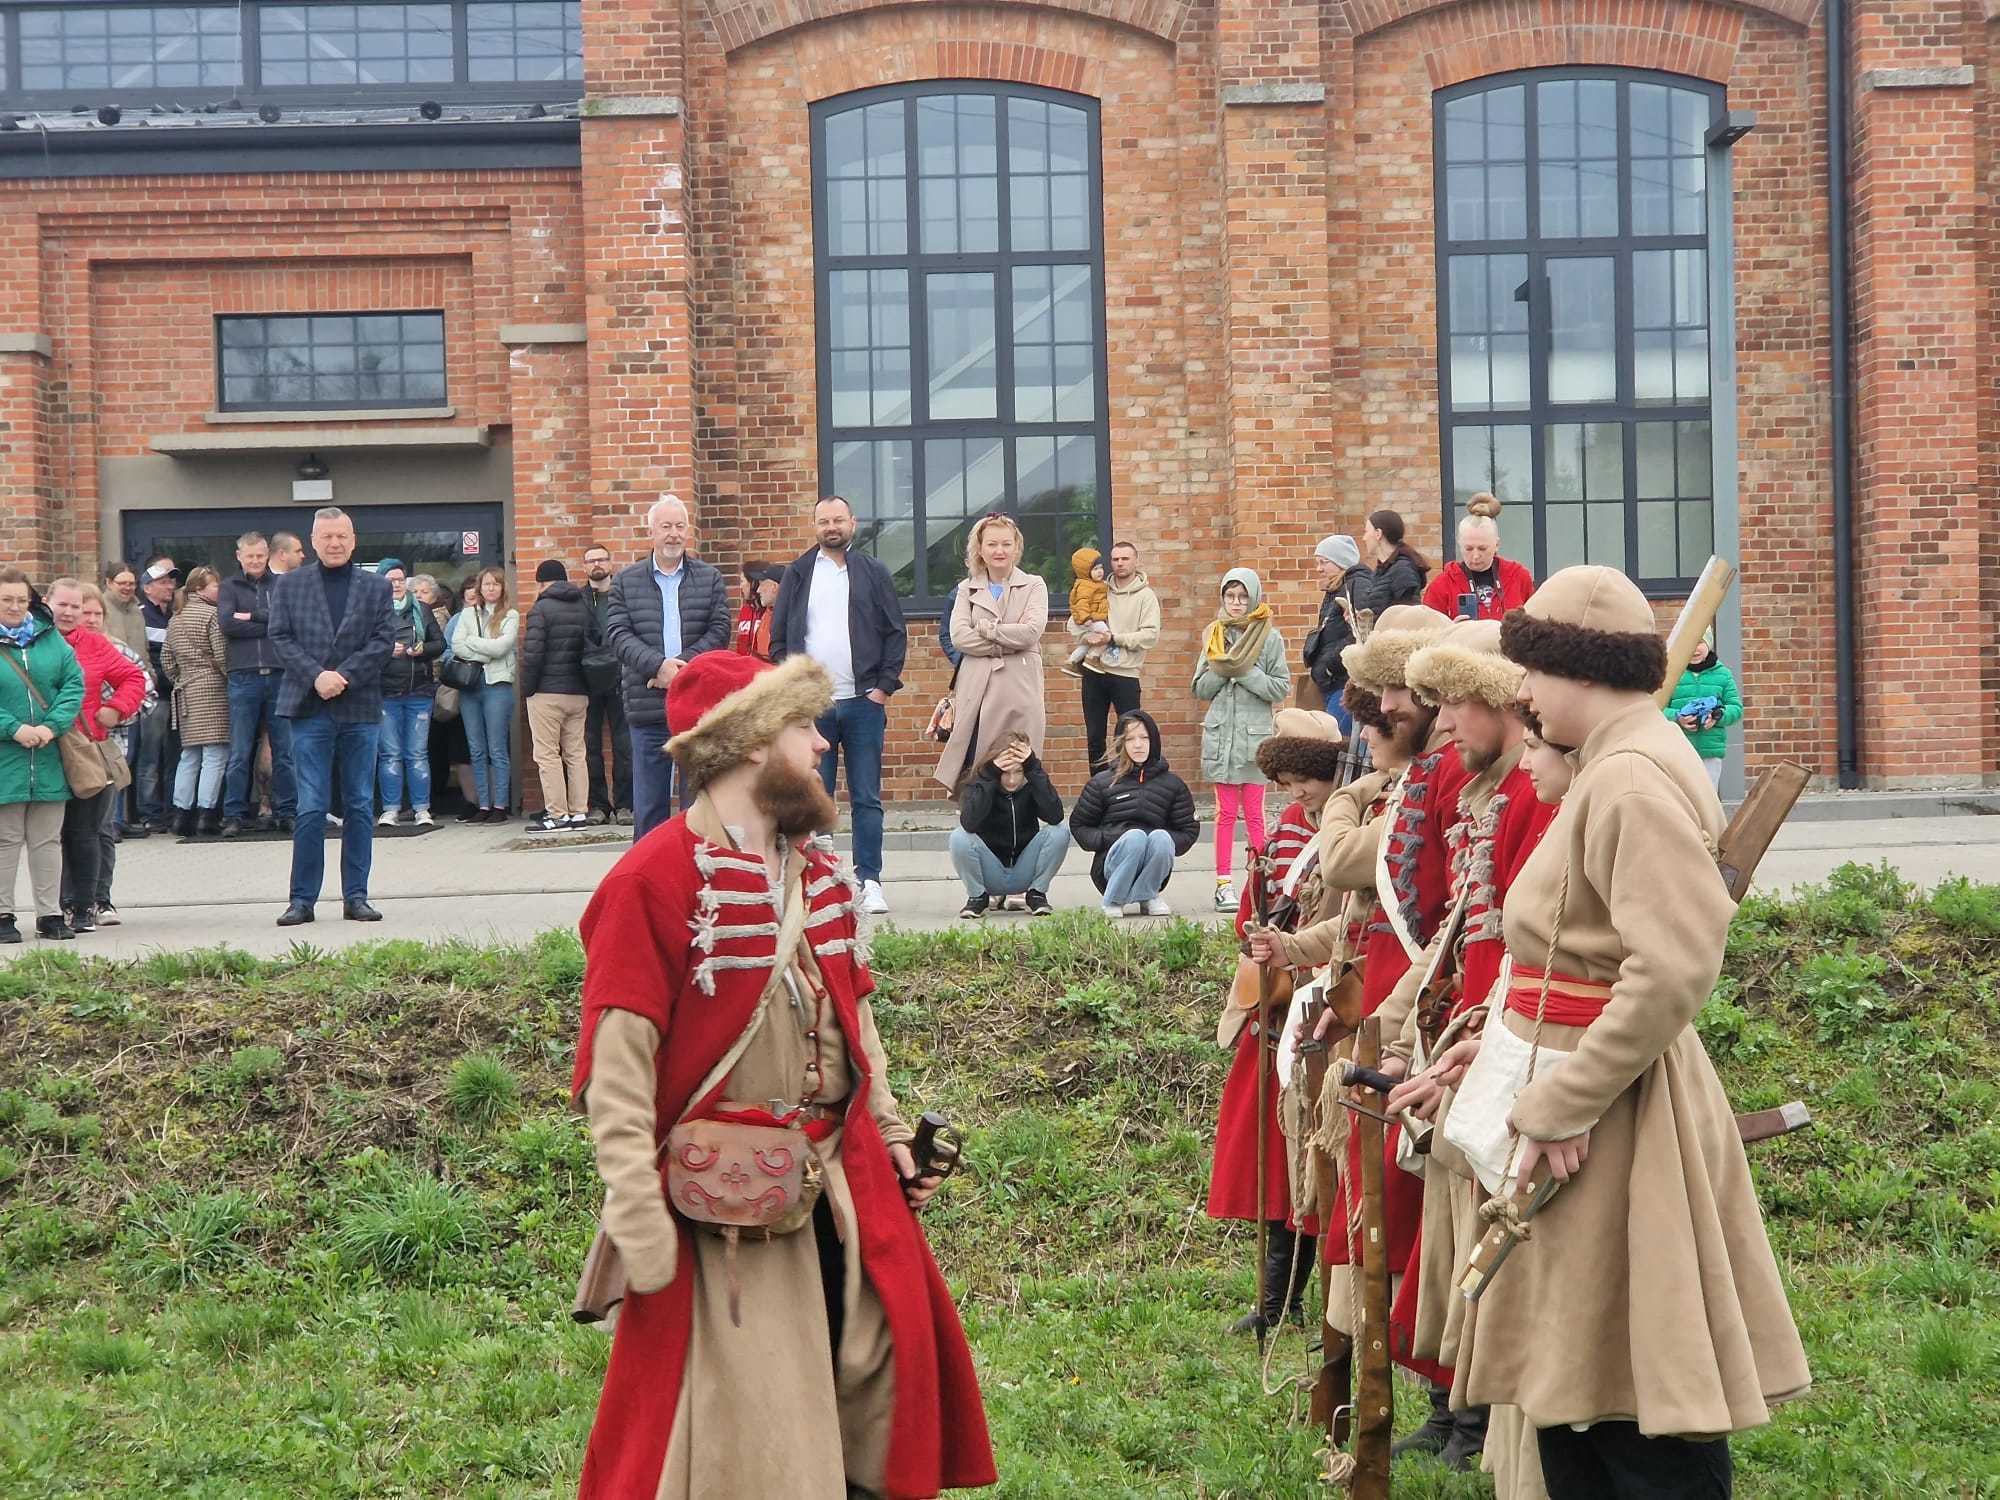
(18, 664)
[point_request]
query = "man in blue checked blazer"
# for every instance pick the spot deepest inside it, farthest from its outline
(333, 634)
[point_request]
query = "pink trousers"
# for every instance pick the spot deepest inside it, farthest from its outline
(1247, 796)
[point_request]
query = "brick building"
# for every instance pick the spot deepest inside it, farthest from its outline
(1216, 275)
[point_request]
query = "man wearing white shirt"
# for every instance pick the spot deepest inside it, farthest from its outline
(839, 607)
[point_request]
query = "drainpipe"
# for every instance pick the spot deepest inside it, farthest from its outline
(1839, 130)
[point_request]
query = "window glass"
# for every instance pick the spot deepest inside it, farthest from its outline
(130, 47)
(330, 360)
(518, 42)
(322, 45)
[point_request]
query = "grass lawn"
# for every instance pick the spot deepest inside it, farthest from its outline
(310, 1227)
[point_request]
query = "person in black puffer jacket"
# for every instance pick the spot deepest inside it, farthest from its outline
(1011, 838)
(560, 629)
(409, 690)
(1136, 817)
(1399, 569)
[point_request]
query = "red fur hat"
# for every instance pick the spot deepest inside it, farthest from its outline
(724, 704)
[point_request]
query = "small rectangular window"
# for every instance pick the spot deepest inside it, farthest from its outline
(315, 46)
(130, 47)
(330, 361)
(524, 41)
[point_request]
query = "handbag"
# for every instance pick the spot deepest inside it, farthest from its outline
(445, 704)
(466, 676)
(1477, 1121)
(85, 767)
(942, 719)
(732, 1175)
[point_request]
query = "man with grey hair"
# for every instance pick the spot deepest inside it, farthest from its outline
(332, 632)
(255, 675)
(665, 610)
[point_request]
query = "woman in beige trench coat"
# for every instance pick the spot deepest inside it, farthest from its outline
(998, 615)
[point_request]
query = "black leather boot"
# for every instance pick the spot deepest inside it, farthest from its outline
(1436, 1432)
(1468, 1440)
(1277, 1268)
(184, 822)
(210, 823)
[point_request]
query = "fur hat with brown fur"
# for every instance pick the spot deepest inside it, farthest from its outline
(1400, 632)
(1465, 663)
(738, 704)
(1589, 624)
(1365, 708)
(1305, 745)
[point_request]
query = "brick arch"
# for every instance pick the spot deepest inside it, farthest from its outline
(1467, 39)
(829, 73)
(1365, 16)
(740, 22)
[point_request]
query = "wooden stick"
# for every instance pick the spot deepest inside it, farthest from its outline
(1374, 1418)
(1702, 606)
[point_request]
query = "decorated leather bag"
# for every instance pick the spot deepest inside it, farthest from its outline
(743, 1168)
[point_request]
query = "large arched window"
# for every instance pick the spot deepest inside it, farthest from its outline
(1573, 313)
(960, 281)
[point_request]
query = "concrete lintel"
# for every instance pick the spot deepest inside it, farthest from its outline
(514, 335)
(226, 444)
(631, 106)
(357, 414)
(28, 343)
(1917, 78)
(1274, 93)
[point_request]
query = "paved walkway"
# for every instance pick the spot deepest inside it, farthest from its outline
(484, 884)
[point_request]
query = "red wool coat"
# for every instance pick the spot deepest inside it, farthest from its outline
(1414, 848)
(640, 958)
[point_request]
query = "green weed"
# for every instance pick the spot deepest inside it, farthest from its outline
(96, 1352)
(188, 1238)
(406, 1226)
(1946, 1349)
(1843, 991)
(481, 1090)
(249, 1067)
(1960, 904)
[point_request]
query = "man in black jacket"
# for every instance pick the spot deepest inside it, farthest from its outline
(159, 745)
(1011, 838)
(409, 693)
(560, 628)
(255, 675)
(610, 802)
(839, 607)
(666, 609)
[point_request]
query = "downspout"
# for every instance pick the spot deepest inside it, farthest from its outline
(1838, 132)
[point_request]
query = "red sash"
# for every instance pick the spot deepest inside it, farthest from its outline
(1573, 1001)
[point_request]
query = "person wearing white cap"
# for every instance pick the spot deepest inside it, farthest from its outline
(159, 745)
(1339, 562)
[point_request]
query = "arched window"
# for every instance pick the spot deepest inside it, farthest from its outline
(1573, 315)
(960, 281)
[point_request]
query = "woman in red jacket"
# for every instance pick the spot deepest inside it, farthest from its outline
(1481, 584)
(83, 817)
(753, 622)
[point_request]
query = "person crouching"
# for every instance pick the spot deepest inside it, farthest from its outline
(1011, 837)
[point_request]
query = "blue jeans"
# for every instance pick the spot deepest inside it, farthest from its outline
(653, 778)
(853, 730)
(1137, 866)
(198, 778)
(316, 740)
(980, 868)
(159, 754)
(488, 713)
(406, 750)
(1340, 714)
(253, 706)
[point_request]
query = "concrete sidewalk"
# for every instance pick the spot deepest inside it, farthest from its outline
(504, 884)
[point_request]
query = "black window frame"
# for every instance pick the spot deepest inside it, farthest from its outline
(401, 403)
(929, 596)
(1539, 415)
(252, 91)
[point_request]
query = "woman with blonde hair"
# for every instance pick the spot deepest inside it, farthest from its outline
(1480, 584)
(484, 636)
(193, 659)
(997, 616)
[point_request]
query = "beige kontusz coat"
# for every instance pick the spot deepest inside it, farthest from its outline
(999, 685)
(1648, 1291)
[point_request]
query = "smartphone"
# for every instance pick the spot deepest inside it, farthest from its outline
(1468, 606)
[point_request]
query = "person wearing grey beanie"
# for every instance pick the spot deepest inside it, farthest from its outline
(1339, 562)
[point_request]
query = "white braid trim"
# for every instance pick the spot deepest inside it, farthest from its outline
(704, 859)
(704, 974)
(714, 899)
(837, 945)
(708, 928)
(826, 883)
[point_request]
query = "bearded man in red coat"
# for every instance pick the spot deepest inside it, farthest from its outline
(726, 984)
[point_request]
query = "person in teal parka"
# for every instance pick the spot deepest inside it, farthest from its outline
(1706, 705)
(1242, 676)
(32, 786)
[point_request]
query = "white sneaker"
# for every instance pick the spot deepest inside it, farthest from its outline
(424, 818)
(333, 820)
(1225, 895)
(1133, 908)
(387, 820)
(1157, 907)
(872, 900)
(1112, 910)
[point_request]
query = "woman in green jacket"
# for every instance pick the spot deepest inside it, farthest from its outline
(1706, 705)
(32, 719)
(1242, 676)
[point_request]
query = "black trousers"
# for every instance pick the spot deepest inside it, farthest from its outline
(832, 1274)
(1102, 691)
(1612, 1461)
(608, 709)
(83, 847)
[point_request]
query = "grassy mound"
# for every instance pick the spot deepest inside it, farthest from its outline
(311, 1226)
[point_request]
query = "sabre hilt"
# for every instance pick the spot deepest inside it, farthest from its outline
(935, 1149)
(1418, 1130)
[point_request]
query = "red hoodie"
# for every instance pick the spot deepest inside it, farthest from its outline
(103, 662)
(1513, 585)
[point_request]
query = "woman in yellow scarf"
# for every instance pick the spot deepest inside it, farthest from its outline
(1242, 676)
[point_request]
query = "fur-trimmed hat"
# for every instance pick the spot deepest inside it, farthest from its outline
(1400, 632)
(1590, 624)
(725, 704)
(1365, 708)
(1464, 663)
(1302, 743)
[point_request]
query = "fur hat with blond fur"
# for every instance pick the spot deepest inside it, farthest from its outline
(723, 705)
(1400, 632)
(1465, 663)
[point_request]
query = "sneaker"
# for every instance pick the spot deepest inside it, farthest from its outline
(107, 916)
(1069, 671)
(53, 929)
(232, 827)
(1225, 895)
(1157, 907)
(333, 820)
(1038, 905)
(597, 817)
(623, 817)
(83, 920)
(546, 824)
(135, 831)
(387, 820)
(1133, 908)
(872, 900)
(10, 931)
(1112, 911)
(576, 822)
(473, 815)
(975, 906)
(424, 818)
(1014, 903)
(496, 814)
